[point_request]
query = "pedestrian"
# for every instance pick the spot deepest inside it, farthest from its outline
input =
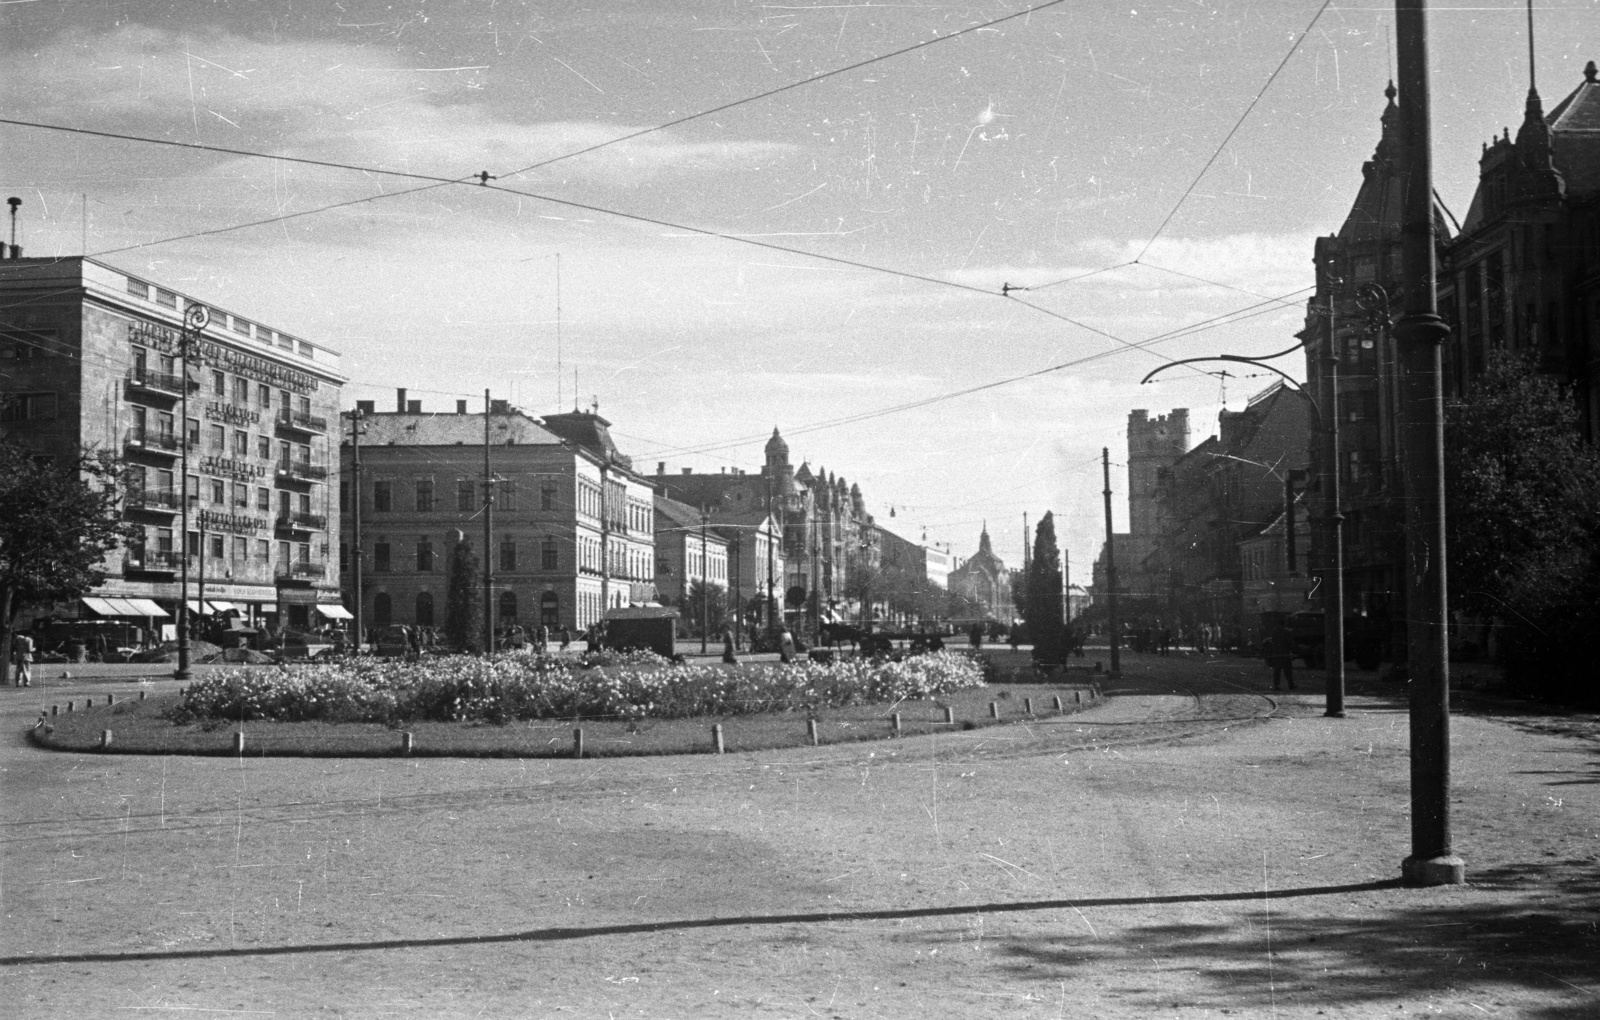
(975, 637)
(728, 654)
(1279, 649)
(566, 638)
(22, 656)
(786, 646)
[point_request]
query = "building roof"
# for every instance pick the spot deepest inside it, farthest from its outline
(1575, 130)
(678, 516)
(590, 431)
(392, 428)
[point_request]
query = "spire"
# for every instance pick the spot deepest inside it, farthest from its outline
(1539, 181)
(983, 541)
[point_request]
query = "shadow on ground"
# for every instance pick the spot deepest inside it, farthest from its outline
(1424, 946)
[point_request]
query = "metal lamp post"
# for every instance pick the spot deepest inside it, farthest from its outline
(195, 317)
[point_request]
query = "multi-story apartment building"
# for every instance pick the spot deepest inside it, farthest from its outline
(573, 526)
(687, 550)
(93, 362)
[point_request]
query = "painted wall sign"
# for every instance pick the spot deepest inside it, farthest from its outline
(231, 414)
(166, 339)
(239, 470)
(213, 521)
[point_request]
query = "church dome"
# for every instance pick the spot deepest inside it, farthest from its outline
(777, 449)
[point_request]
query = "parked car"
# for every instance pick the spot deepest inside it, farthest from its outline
(392, 641)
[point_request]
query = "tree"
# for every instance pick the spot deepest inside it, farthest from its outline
(1523, 519)
(58, 522)
(463, 619)
(705, 608)
(1041, 608)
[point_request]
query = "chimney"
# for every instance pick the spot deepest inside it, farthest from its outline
(661, 467)
(461, 407)
(499, 407)
(365, 407)
(400, 400)
(413, 407)
(688, 471)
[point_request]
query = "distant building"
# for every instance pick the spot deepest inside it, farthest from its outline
(687, 550)
(91, 362)
(573, 528)
(1153, 447)
(985, 579)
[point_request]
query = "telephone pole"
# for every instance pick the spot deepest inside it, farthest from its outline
(705, 589)
(488, 536)
(1333, 511)
(1420, 334)
(355, 538)
(1113, 623)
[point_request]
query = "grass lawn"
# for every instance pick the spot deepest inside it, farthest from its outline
(137, 727)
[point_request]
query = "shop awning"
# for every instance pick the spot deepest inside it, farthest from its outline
(99, 607)
(335, 612)
(122, 607)
(222, 607)
(196, 608)
(145, 607)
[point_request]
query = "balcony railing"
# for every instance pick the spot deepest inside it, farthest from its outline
(302, 522)
(302, 470)
(301, 421)
(157, 500)
(163, 561)
(153, 442)
(302, 568)
(160, 382)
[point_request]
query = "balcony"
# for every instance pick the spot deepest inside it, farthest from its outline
(165, 443)
(301, 471)
(152, 561)
(143, 380)
(300, 422)
(159, 501)
(305, 569)
(301, 522)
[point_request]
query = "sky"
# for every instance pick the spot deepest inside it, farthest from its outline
(1082, 138)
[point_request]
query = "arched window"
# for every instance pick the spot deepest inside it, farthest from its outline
(424, 609)
(381, 611)
(508, 607)
(550, 609)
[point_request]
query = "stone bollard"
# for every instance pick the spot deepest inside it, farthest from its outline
(238, 742)
(405, 742)
(142, 694)
(111, 699)
(1027, 706)
(994, 709)
(69, 706)
(577, 742)
(1077, 697)
(88, 703)
(716, 738)
(949, 714)
(105, 738)
(811, 731)
(1058, 705)
(894, 722)
(55, 709)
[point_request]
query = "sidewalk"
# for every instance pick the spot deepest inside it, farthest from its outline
(1182, 866)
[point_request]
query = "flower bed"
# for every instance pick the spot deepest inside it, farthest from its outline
(639, 686)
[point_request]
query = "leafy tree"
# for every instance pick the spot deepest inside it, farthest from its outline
(1041, 608)
(1523, 520)
(58, 522)
(463, 615)
(705, 608)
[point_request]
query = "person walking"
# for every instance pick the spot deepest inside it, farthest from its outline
(22, 656)
(1279, 649)
(728, 653)
(786, 646)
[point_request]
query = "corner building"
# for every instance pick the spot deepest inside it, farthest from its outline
(91, 362)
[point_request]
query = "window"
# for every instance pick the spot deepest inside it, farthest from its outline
(303, 551)
(508, 495)
(164, 480)
(547, 555)
(466, 495)
(344, 493)
(550, 609)
(219, 384)
(241, 549)
(547, 497)
(219, 493)
(424, 609)
(424, 554)
(241, 443)
(264, 396)
(166, 297)
(241, 495)
(164, 540)
(29, 407)
(215, 546)
(304, 501)
(165, 423)
(344, 557)
(382, 496)
(192, 433)
(264, 447)
(191, 488)
(241, 390)
(192, 543)
(508, 607)
(241, 326)
(508, 554)
(380, 557)
(138, 288)
(219, 438)
(424, 495)
(263, 550)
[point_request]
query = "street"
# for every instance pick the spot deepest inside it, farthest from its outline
(1197, 846)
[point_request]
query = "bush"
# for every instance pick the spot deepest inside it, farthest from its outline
(631, 685)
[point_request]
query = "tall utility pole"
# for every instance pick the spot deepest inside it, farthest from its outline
(1113, 622)
(705, 588)
(1333, 511)
(1419, 335)
(488, 536)
(355, 538)
(772, 625)
(195, 318)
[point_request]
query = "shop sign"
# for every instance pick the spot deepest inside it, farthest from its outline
(167, 340)
(231, 522)
(238, 470)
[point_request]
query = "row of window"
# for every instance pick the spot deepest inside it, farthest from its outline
(507, 606)
(28, 407)
(144, 483)
(427, 557)
(469, 497)
(242, 389)
(167, 299)
(236, 549)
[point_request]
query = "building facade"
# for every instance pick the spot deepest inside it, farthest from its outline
(572, 532)
(93, 361)
(687, 551)
(1154, 445)
(985, 579)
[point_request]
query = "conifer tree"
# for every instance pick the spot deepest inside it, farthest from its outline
(463, 622)
(1042, 606)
